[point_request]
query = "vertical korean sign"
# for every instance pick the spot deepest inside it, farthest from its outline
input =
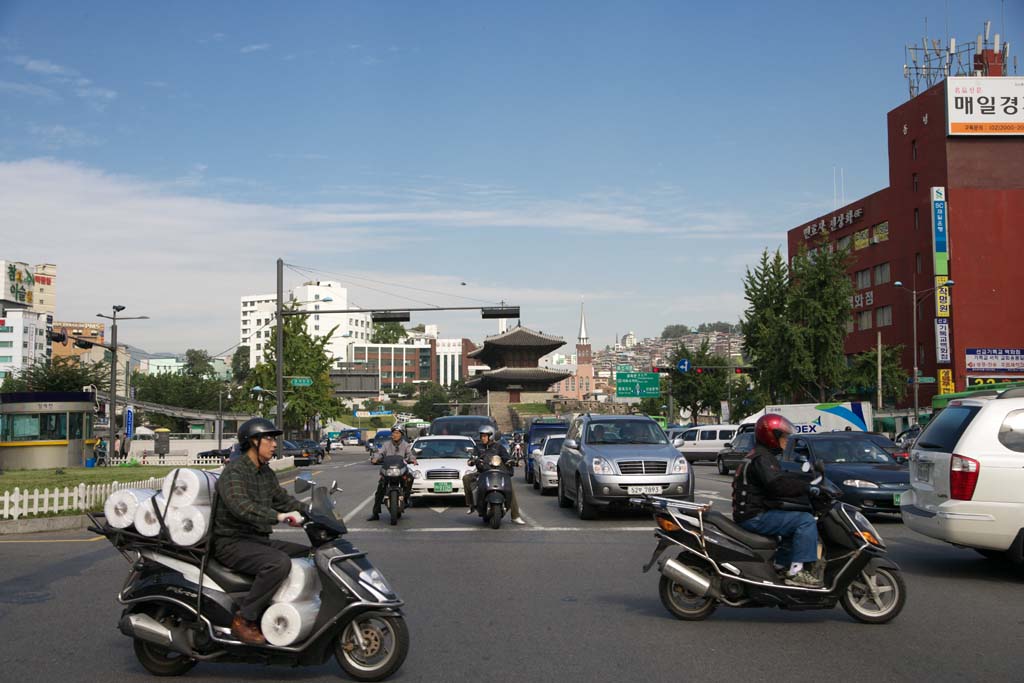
(940, 250)
(942, 350)
(946, 385)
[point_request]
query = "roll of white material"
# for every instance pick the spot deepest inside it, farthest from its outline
(146, 521)
(285, 623)
(302, 583)
(121, 506)
(187, 525)
(190, 487)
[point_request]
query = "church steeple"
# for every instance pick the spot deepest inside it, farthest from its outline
(583, 327)
(584, 354)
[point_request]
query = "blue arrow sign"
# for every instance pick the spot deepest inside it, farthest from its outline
(683, 365)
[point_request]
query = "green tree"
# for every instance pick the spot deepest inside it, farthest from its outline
(772, 343)
(432, 402)
(304, 356)
(63, 373)
(240, 364)
(406, 389)
(862, 375)
(184, 391)
(197, 363)
(819, 303)
(698, 392)
(720, 326)
(388, 333)
(458, 392)
(674, 331)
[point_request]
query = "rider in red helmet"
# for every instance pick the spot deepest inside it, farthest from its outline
(758, 491)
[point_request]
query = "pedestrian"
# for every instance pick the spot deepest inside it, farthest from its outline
(117, 445)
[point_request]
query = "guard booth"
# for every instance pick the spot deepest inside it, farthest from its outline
(44, 429)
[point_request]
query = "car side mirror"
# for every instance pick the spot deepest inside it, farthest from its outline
(536, 453)
(678, 443)
(470, 449)
(728, 444)
(571, 443)
(802, 459)
(417, 451)
(304, 482)
(805, 466)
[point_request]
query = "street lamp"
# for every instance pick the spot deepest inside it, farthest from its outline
(113, 366)
(220, 411)
(913, 317)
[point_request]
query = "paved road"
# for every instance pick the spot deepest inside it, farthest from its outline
(557, 599)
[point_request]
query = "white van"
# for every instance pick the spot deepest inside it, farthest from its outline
(703, 442)
(967, 476)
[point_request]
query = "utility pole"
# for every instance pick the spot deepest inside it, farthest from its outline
(878, 379)
(279, 349)
(113, 371)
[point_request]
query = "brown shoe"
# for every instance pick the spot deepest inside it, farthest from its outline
(247, 631)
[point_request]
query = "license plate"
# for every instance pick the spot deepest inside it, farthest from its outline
(896, 499)
(443, 487)
(923, 472)
(638, 490)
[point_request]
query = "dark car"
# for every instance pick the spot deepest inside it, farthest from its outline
(730, 457)
(869, 477)
(462, 425)
(314, 448)
(533, 438)
(303, 455)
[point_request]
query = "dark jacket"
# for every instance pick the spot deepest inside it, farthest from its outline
(760, 484)
(249, 498)
(482, 454)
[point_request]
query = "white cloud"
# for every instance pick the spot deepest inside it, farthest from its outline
(57, 137)
(42, 66)
(258, 47)
(28, 90)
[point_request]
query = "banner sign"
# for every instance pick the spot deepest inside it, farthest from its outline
(371, 413)
(941, 296)
(940, 231)
(942, 351)
(980, 380)
(985, 106)
(995, 360)
(946, 385)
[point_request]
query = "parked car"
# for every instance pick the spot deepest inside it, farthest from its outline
(967, 476)
(705, 441)
(442, 462)
(539, 429)
(545, 463)
(734, 452)
(905, 439)
(221, 455)
(605, 459)
(462, 425)
(304, 456)
(869, 477)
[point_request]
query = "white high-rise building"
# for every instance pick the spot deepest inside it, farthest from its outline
(23, 339)
(449, 361)
(258, 313)
(629, 340)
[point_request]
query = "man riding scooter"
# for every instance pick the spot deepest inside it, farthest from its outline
(396, 452)
(482, 452)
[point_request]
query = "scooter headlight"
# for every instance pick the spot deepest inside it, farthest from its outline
(495, 461)
(374, 578)
(867, 531)
(393, 472)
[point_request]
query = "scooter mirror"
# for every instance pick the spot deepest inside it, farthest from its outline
(304, 482)
(334, 487)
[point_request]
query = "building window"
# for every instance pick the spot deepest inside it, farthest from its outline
(913, 149)
(864, 320)
(917, 259)
(917, 218)
(849, 326)
(883, 316)
(915, 182)
(259, 347)
(844, 243)
(881, 273)
(864, 278)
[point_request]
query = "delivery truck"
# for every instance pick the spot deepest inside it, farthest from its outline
(815, 418)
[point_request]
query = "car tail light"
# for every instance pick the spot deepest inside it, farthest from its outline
(963, 477)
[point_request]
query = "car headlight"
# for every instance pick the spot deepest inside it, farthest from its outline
(860, 484)
(680, 466)
(416, 474)
(374, 578)
(602, 466)
(550, 466)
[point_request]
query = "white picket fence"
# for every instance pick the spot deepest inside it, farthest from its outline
(18, 503)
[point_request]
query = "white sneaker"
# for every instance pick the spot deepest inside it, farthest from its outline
(518, 520)
(470, 511)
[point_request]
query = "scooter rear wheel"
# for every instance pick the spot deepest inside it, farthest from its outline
(161, 661)
(682, 603)
(387, 643)
(876, 596)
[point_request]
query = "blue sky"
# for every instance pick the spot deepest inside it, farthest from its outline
(637, 154)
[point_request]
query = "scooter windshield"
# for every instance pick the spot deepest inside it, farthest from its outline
(322, 510)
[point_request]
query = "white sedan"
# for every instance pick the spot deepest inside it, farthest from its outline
(545, 463)
(441, 465)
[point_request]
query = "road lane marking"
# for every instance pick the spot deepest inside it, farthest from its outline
(366, 501)
(479, 529)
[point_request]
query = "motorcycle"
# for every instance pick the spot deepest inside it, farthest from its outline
(721, 563)
(493, 490)
(394, 476)
(179, 603)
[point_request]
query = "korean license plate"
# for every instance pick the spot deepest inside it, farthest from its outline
(638, 490)
(896, 499)
(442, 487)
(923, 471)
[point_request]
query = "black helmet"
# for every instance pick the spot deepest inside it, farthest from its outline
(257, 427)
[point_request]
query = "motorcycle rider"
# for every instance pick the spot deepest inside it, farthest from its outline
(482, 452)
(249, 502)
(395, 452)
(758, 490)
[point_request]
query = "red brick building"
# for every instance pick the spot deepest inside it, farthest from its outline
(979, 173)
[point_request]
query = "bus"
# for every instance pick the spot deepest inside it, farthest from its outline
(940, 401)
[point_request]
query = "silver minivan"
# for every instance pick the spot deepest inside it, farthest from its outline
(704, 442)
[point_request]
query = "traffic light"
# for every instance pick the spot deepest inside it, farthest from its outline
(660, 369)
(83, 344)
(57, 337)
(699, 370)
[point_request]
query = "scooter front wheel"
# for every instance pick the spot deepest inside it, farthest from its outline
(494, 512)
(876, 596)
(386, 643)
(682, 603)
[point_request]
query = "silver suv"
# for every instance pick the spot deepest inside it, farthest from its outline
(605, 459)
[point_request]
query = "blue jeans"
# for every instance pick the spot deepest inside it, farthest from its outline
(799, 533)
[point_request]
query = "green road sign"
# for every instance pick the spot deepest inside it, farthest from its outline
(926, 380)
(637, 385)
(302, 381)
(623, 368)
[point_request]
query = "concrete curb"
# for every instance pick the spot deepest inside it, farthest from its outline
(34, 525)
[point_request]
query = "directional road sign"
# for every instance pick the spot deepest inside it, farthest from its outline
(637, 385)
(302, 381)
(683, 365)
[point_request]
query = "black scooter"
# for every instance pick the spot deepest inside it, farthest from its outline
(493, 489)
(394, 476)
(179, 603)
(720, 562)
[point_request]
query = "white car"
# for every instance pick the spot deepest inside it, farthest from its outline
(545, 463)
(442, 462)
(705, 441)
(967, 476)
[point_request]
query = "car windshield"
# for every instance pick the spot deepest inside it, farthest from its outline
(625, 432)
(554, 445)
(850, 450)
(441, 448)
(470, 428)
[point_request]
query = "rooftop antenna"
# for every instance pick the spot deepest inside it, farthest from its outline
(988, 26)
